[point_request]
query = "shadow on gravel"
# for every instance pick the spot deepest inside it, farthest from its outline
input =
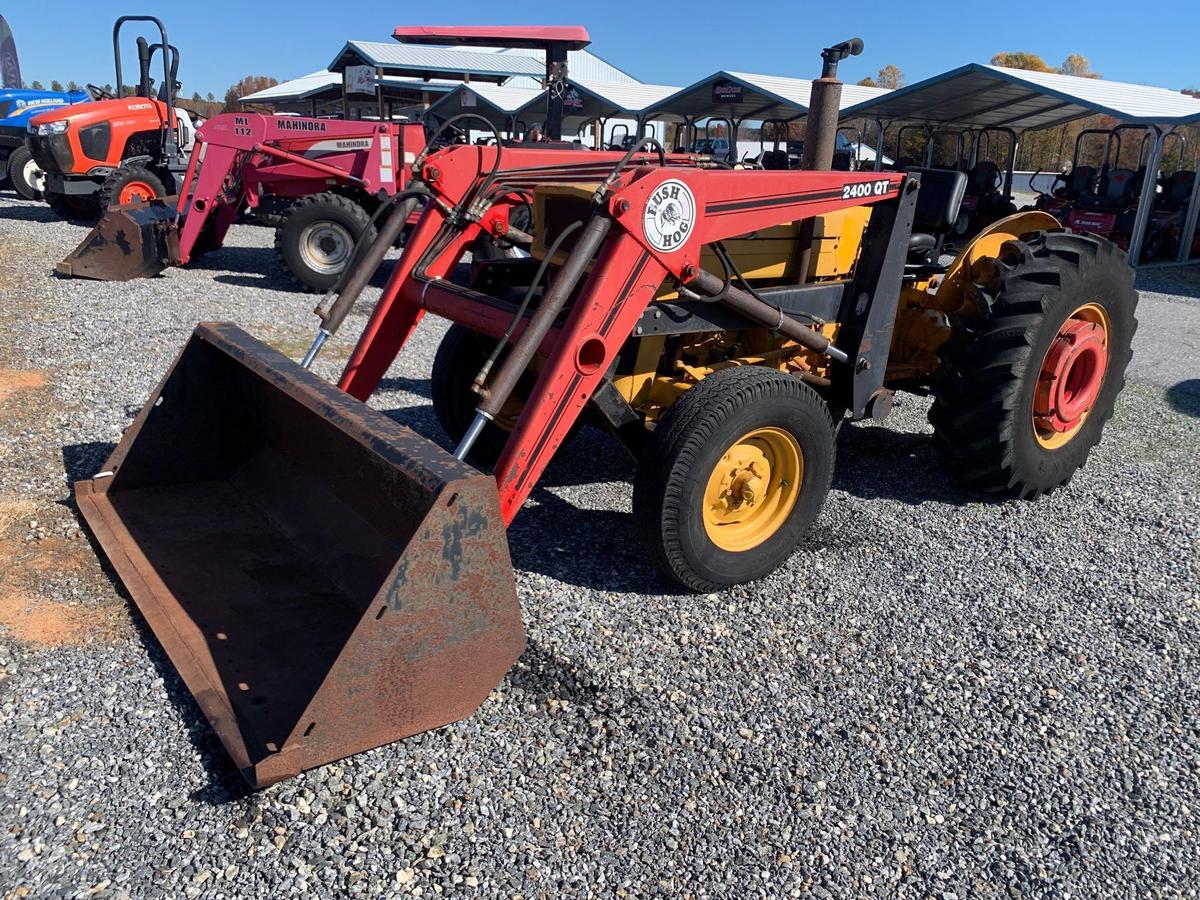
(29, 211)
(84, 460)
(877, 462)
(1176, 281)
(1184, 397)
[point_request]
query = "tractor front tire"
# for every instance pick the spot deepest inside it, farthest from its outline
(77, 208)
(317, 237)
(1029, 378)
(733, 476)
(27, 179)
(459, 358)
(130, 184)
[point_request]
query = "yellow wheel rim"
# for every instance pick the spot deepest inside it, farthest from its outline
(1095, 314)
(753, 489)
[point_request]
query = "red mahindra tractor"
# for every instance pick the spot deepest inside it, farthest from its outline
(337, 172)
(117, 149)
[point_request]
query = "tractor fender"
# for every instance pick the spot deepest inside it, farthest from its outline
(987, 244)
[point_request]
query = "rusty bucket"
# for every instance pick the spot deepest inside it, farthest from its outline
(134, 240)
(324, 580)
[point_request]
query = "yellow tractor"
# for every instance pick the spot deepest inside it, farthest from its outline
(327, 581)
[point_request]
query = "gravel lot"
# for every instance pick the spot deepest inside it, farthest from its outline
(939, 696)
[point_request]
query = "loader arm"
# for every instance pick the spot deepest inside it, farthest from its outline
(661, 217)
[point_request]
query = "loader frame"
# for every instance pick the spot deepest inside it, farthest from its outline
(609, 307)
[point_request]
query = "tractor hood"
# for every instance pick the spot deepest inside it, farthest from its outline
(129, 111)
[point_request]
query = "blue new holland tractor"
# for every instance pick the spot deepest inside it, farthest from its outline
(17, 107)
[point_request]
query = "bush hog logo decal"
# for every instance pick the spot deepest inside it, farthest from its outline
(670, 216)
(865, 189)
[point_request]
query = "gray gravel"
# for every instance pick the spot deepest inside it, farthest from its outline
(939, 697)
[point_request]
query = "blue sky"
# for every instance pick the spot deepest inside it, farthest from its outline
(669, 43)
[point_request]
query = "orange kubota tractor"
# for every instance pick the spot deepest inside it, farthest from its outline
(326, 580)
(117, 149)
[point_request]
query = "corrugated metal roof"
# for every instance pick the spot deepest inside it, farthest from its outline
(417, 59)
(297, 89)
(762, 97)
(588, 100)
(492, 101)
(581, 64)
(977, 95)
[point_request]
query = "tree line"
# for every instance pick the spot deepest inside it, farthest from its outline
(207, 105)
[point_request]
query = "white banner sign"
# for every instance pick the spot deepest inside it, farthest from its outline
(360, 80)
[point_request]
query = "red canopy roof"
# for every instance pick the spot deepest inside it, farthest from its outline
(532, 36)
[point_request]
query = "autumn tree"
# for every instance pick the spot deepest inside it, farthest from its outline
(889, 76)
(72, 86)
(1021, 60)
(1078, 65)
(56, 86)
(251, 84)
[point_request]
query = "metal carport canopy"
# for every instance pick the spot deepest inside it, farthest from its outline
(496, 103)
(977, 95)
(754, 97)
(605, 99)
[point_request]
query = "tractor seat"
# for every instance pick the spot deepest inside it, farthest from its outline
(1118, 187)
(774, 159)
(938, 205)
(1177, 190)
(1079, 182)
(983, 177)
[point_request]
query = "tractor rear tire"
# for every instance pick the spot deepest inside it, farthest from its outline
(317, 238)
(459, 357)
(733, 476)
(130, 184)
(77, 208)
(27, 179)
(998, 364)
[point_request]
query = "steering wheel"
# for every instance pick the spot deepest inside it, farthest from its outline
(99, 93)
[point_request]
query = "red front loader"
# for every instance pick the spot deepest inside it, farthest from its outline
(338, 173)
(326, 580)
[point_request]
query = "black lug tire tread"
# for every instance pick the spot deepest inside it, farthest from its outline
(110, 190)
(685, 431)
(16, 163)
(459, 357)
(78, 209)
(350, 213)
(981, 413)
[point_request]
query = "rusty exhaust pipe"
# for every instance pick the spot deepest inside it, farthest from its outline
(820, 131)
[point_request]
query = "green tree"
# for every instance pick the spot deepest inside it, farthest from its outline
(72, 86)
(37, 86)
(56, 85)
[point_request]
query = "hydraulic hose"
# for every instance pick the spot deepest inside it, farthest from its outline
(481, 378)
(764, 313)
(517, 361)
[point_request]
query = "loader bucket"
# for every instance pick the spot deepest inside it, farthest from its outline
(134, 240)
(323, 579)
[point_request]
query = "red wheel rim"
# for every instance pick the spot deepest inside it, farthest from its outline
(136, 190)
(1071, 376)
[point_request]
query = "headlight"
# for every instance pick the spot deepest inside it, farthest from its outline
(52, 127)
